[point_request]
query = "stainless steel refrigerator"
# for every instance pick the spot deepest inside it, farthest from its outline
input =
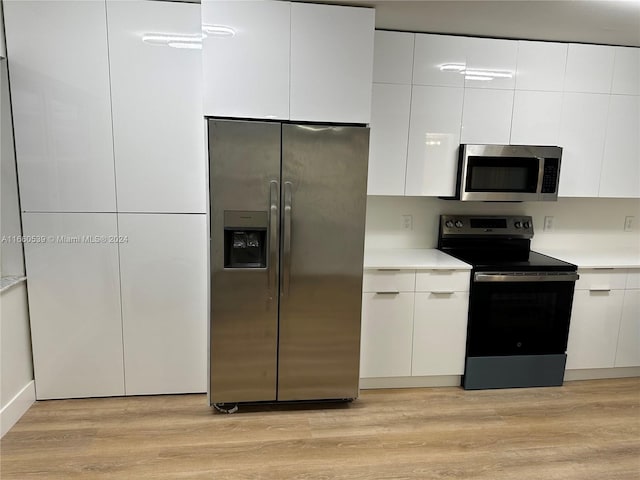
(287, 238)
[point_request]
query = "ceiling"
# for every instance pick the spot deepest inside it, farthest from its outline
(610, 22)
(613, 22)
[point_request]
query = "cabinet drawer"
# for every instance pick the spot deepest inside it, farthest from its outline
(389, 280)
(442, 281)
(602, 279)
(633, 279)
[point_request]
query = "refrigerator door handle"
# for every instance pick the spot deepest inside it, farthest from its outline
(274, 195)
(286, 243)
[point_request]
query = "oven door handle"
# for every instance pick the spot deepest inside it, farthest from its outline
(526, 277)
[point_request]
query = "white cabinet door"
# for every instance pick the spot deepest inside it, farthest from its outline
(486, 116)
(74, 304)
(440, 60)
(387, 323)
(541, 66)
(156, 88)
(628, 352)
(620, 175)
(582, 133)
(434, 137)
(163, 266)
(626, 71)
(491, 63)
(439, 333)
(393, 57)
(58, 64)
(388, 140)
(593, 332)
(589, 68)
(536, 118)
(245, 57)
(331, 62)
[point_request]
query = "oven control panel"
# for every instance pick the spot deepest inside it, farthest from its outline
(480, 225)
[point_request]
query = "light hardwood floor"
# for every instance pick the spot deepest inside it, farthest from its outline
(583, 430)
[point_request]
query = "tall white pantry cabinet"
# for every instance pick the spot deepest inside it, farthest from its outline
(110, 150)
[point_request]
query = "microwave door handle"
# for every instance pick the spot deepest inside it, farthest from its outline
(286, 242)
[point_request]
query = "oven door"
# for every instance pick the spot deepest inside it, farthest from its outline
(519, 313)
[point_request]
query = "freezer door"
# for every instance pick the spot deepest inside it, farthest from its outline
(324, 191)
(244, 169)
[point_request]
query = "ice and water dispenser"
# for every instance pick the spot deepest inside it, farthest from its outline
(245, 239)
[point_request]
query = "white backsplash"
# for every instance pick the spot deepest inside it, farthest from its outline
(585, 223)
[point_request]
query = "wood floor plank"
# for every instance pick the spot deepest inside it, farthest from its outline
(584, 430)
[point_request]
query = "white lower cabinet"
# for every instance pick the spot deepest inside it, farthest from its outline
(439, 333)
(163, 263)
(115, 297)
(414, 328)
(593, 332)
(74, 304)
(628, 351)
(387, 324)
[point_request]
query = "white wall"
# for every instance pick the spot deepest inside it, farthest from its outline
(587, 223)
(17, 391)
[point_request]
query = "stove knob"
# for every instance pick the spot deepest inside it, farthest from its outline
(458, 224)
(526, 225)
(518, 225)
(448, 224)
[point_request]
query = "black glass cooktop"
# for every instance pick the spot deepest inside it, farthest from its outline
(527, 261)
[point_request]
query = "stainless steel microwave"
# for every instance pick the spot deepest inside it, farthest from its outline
(508, 173)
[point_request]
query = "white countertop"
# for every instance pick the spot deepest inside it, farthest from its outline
(596, 258)
(412, 258)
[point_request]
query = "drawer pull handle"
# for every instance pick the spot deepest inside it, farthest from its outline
(442, 292)
(388, 269)
(600, 289)
(390, 292)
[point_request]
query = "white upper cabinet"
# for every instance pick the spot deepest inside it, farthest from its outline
(486, 117)
(393, 57)
(58, 64)
(589, 68)
(388, 140)
(246, 58)
(3, 47)
(331, 62)
(440, 60)
(491, 63)
(163, 267)
(74, 304)
(626, 71)
(620, 175)
(434, 136)
(541, 66)
(582, 135)
(156, 85)
(536, 118)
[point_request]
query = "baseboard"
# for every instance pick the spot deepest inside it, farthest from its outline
(600, 373)
(17, 407)
(410, 382)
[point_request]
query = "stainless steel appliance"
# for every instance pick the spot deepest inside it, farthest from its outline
(287, 237)
(519, 304)
(508, 173)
